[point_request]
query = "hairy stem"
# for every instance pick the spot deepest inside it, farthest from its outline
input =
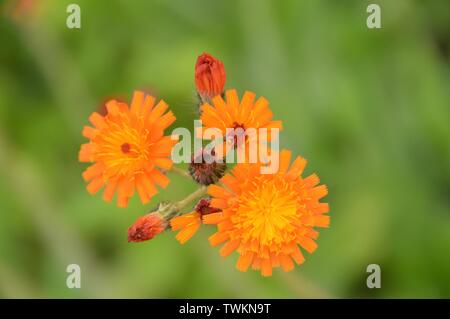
(176, 207)
(180, 172)
(191, 197)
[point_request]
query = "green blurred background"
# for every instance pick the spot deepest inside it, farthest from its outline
(369, 109)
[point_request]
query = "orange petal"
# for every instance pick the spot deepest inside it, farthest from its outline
(186, 233)
(147, 185)
(320, 208)
(159, 178)
(321, 220)
(318, 192)
(210, 114)
(182, 221)
(260, 105)
(286, 262)
(225, 225)
(210, 121)
(245, 106)
(231, 183)
(274, 124)
(217, 191)
(122, 201)
(86, 153)
(213, 218)
(137, 101)
(156, 113)
(229, 247)
(274, 260)
(163, 147)
(219, 203)
(97, 120)
(166, 120)
(296, 168)
(232, 103)
(311, 181)
(112, 107)
(245, 261)
(218, 238)
(266, 268)
(147, 106)
(124, 190)
(297, 256)
(221, 107)
(256, 263)
(93, 171)
(164, 163)
(143, 195)
(308, 244)
(109, 191)
(264, 118)
(89, 132)
(95, 185)
(285, 159)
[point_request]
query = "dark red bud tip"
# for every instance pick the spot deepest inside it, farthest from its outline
(203, 207)
(146, 227)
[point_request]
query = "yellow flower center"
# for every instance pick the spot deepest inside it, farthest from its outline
(266, 212)
(123, 149)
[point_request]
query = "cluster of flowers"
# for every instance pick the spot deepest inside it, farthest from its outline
(266, 218)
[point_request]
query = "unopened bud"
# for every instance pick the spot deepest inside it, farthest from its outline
(206, 172)
(210, 77)
(146, 227)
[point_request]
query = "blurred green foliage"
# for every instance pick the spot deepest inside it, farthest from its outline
(369, 109)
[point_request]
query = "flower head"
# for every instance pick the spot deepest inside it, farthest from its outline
(210, 76)
(146, 227)
(239, 116)
(127, 147)
(189, 223)
(204, 169)
(265, 217)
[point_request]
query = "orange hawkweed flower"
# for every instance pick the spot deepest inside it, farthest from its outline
(146, 227)
(128, 147)
(210, 76)
(235, 114)
(189, 223)
(265, 218)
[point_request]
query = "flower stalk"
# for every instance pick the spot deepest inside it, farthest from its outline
(180, 172)
(188, 199)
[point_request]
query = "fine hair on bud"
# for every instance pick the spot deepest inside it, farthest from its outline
(203, 170)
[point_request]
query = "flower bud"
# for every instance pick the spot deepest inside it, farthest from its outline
(146, 227)
(210, 77)
(206, 172)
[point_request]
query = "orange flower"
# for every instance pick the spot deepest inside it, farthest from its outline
(235, 114)
(265, 217)
(128, 146)
(210, 76)
(188, 224)
(146, 227)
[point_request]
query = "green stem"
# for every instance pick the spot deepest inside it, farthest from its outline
(193, 196)
(180, 172)
(175, 208)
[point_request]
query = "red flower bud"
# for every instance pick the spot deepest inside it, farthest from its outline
(146, 227)
(210, 76)
(203, 172)
(203, 207)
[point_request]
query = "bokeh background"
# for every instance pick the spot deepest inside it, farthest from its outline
(369, 109)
